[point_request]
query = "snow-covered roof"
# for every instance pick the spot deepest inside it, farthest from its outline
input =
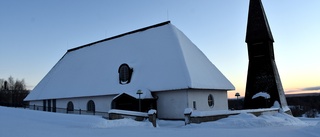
(145, 94)
(161, 56)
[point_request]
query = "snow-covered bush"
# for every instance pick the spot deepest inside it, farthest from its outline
(312, 113)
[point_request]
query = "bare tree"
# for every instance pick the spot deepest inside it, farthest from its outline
(2, 84)
(12, 92)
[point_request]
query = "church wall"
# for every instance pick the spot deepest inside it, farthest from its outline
(200, 97)
(171, 104)
(102, 103)
(35, 103)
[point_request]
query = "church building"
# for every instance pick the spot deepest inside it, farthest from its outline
(157, 65)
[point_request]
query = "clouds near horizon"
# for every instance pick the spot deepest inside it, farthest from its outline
(305, 89)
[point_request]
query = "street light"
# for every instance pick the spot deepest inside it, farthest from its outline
(139, 92)
(237, 95)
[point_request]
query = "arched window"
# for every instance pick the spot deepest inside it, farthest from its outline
(90, 106)
(70, 106)
(125, 73)
(210, 101)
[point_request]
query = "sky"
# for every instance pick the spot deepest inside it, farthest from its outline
(35, 34)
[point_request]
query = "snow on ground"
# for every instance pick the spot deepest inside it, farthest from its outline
(244, 120)
(15, 122)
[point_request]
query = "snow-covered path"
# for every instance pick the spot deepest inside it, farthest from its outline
(29, 123)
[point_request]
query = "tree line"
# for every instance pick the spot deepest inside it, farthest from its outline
(12, 92)
(308, 105)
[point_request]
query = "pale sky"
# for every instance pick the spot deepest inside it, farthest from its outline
(35, 34)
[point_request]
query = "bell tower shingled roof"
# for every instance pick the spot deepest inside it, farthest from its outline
(258, 27)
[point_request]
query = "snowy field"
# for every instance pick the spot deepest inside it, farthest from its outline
(16, 122)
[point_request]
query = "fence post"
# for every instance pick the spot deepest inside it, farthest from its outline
(152, 117)
(34, 106)
(80, 111)
(187, 115)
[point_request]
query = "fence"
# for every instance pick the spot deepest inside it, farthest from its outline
(66, 111)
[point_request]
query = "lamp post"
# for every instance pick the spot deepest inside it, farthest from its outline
(237, 95)
(139, 92)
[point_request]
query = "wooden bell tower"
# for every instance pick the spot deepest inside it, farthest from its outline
(263, 76)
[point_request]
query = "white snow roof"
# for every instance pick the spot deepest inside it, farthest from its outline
(161, 56)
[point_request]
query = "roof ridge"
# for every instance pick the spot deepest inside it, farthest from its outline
(187, 49)
(120, 35)
(186, 69)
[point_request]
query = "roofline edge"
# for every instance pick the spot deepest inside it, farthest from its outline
(121, 35)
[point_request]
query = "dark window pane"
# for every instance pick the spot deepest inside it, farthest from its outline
(124, 74)
(91, 106)
(210, 101)
(70, 106)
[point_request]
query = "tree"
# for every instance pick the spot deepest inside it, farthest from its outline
(12, 92)
(12, 84)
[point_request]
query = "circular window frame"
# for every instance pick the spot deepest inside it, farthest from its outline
(125, 73)
(210, 100)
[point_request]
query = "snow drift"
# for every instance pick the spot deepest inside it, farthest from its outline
(29, 123)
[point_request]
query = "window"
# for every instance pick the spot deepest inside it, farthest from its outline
(70, 106)
(194, 105)
(91, 106)
(54, 105)
(44, 104)
(125, 73)
(49, 105)
(210, 101)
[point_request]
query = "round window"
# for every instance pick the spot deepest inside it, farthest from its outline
(210, 101)
(125, 73)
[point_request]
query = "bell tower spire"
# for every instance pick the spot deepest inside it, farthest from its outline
(258, 27)
(264, 86)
